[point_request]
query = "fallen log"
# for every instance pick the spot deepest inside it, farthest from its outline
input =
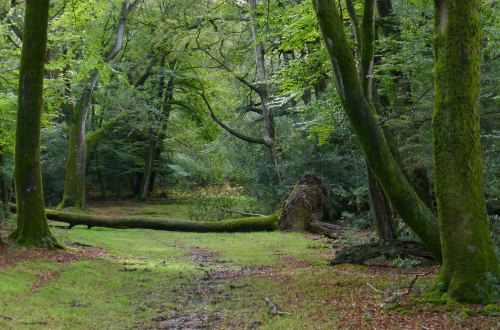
(264, 223)
(358, 254)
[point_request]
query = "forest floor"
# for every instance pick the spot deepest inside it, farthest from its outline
(127, 278)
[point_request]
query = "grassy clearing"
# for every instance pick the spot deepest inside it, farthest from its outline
(161, 279)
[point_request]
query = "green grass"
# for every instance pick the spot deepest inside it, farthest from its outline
(149, 274)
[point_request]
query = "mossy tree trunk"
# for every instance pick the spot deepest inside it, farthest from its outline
(260, 223)
(32, 228)
(375, 148)
(76, 119)
(470, 269)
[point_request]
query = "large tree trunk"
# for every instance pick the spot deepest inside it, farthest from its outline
(471, 270)
(32, 228)
(392, 179)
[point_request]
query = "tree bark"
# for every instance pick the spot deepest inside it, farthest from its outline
(32, 228)
(392, 179)
(380, 208)
(471, 270)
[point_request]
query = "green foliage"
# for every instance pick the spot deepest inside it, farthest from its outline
(213, 203)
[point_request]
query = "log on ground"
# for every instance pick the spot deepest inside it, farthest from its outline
(358, 254)
(265, 223)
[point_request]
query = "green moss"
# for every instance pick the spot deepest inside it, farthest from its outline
(471, 268)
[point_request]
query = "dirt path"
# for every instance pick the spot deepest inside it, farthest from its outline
(199, 303)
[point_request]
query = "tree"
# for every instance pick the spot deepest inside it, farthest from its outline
(32, 228)
(76, 117)
(471, 270)
(375, 148)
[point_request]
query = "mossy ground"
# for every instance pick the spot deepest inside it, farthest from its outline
(171, 279)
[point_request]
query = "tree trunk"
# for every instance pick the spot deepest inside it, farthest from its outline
(102, 184)
(420, 178)
(156, 138)
(148, 168)
(4, 212)
(471, 270)
(76, 119)
(379, 204)
(269, 128)
(392, 179)
(380, 208)
(32, 228)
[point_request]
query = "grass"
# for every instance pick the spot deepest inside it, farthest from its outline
(154, 278)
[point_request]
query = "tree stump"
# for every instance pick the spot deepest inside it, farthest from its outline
(308, 207)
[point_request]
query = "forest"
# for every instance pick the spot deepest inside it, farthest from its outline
(249, 164)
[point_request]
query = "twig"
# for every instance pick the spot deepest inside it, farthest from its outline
(242, 213)
(21, 321)
(231, 286)
(274, 308)
(375, 289)
(415, 279)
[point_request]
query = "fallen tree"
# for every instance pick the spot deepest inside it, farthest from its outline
(307, 205)
(264, 223)
(309, 208)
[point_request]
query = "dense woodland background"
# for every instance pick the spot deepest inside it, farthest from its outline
(172, 51)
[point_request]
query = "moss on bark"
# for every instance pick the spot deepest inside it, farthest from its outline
(470, 269)
(264, 223)
(32, 228)
(392, 179)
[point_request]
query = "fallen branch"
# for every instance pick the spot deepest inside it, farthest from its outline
(274, 308)
(21, 321)
(375, 289)
(415, 280)
(247, 214)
